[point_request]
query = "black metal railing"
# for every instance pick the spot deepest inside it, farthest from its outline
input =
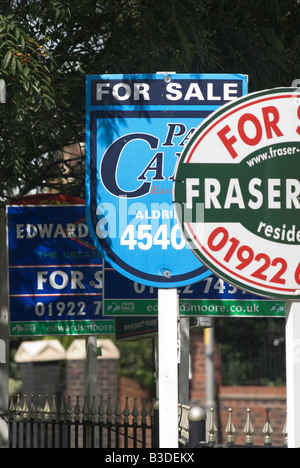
(202, 435)
(40, 424)
(36, 422)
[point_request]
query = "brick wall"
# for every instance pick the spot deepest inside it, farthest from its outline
(45, 378)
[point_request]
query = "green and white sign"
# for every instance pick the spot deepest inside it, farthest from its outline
(211, 297)
(200, 308)
(237, 193)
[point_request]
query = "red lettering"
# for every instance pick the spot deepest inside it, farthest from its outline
(270, 125)
(228, 142)
(241, 128)
(298, 114)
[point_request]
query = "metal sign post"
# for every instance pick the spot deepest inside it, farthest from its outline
(91, 378)
(168, 367)
(293, 372)
(4, 335)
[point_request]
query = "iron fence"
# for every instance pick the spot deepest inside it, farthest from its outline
(202, 435)
(39, 423)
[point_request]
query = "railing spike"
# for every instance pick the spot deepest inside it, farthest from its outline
(248, 430)
(135, 412)
(77, 410)
(101, 410)
(47, 410)
(11, 410)
(126, 412)
(32, 409)
(118, 412)
(212, 428)
(85, 410)
(25, 408)
(39, 408)
(230, 429)
(18, 409)
(93, 410)
(62, 411)
(54, 409)
(69, 410)
(267, 429)
(109, 410)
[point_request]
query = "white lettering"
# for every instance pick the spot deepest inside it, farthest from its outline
(230, 91)
(174, 89)
(194, 91)
(292, 193)
(256, 193)
(190, 192)
(272, 193)
(234, 195)
(212, 190)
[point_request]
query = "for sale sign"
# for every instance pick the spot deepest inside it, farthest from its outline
(55, 273)
(237, 188)
(137, 127)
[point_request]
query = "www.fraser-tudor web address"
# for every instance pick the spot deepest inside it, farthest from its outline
(273, 153)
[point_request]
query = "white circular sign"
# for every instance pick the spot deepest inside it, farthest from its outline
(237, 192)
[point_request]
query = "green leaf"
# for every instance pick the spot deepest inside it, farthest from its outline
(6, 60)
(20, 67)
(13, 66)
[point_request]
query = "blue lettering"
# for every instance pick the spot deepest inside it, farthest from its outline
(110, 162)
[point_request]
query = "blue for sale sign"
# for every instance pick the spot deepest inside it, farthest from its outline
(137, 127)
(55, 273)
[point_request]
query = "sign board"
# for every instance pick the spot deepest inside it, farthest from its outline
(211, 297)
(137, 127)
(55, 273)
(135, 328)
(241, 170)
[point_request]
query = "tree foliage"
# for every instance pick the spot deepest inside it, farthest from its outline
(47, 47)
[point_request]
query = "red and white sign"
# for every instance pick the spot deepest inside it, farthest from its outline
(237, 191)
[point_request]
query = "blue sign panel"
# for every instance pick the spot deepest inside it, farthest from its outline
(211, 297)
(55, 273)
(137, 127)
